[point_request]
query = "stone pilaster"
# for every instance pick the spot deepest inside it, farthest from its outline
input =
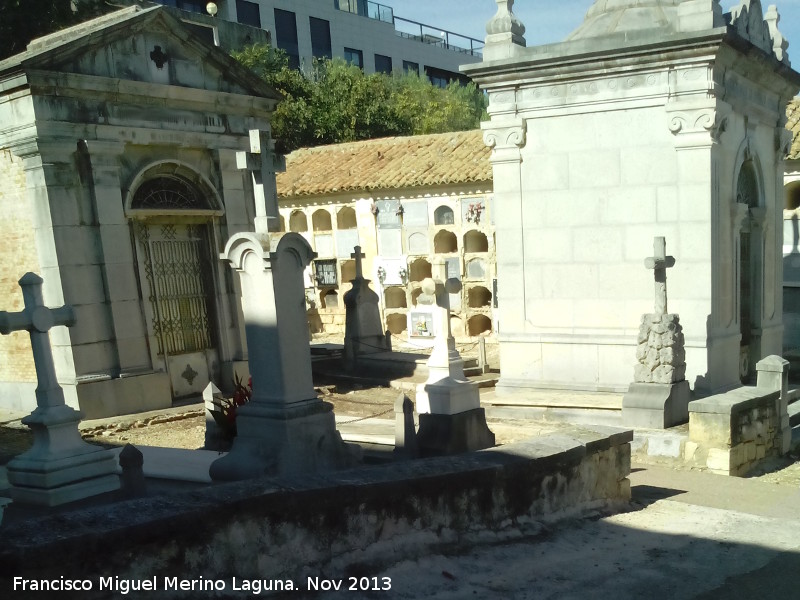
(116, 258)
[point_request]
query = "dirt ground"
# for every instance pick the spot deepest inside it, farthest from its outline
(187, 429)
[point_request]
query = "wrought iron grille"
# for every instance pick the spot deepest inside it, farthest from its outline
(325, 272)
(178, 273)
(170, 192)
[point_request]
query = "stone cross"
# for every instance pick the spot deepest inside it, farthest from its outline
(660, 262)
(37, 319)
(260, 162)
(358, 255)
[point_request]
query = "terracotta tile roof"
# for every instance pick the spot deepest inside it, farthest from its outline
(387, 163)
(793, 125)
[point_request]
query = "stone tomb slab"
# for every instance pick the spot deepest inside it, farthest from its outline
(365, 509)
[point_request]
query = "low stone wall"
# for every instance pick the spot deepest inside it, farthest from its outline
(731, 433)
(335, 525)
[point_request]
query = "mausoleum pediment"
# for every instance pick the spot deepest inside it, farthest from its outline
(137, 45)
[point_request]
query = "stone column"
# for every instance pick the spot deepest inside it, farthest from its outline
(285, 427)
(505, 134)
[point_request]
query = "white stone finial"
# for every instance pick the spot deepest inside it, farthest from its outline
(779, 43)
(505, 24)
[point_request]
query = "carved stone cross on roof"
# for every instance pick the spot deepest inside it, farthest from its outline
(358, 255)
(261, 162)
(38, 319)
(660, 262)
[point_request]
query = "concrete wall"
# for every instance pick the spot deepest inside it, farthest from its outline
(332, 524)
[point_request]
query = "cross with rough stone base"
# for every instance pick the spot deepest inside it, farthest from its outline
(37, 319)
(660, 262)
(260, 162)
(358, 255)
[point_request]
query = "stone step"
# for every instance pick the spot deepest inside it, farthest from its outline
(572, 406)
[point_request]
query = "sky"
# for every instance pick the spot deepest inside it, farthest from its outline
(548, 21)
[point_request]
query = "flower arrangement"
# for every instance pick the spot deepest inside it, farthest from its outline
(225, 414)
(474, 213)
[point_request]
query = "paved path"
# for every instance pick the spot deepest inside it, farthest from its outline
(690, 535)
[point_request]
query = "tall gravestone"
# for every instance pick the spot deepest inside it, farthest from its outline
(451, 419)
(363, 333)
(60, 467)
(659, 396)
(656, 118)
(285, 427)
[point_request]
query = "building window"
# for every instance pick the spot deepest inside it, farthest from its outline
(204, 33)
(411, 67)
(441, 78)
(354, 57)
(383, 64)
(325, 271)
(248, 13)
(286, 36)
(320, 38)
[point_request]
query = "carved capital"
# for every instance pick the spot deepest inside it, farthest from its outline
(698, 127)
(506, 139)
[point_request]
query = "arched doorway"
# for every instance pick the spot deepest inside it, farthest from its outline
(172, 210)
(749, 265)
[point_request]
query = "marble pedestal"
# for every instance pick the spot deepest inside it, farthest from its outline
(656, 405)
(60, 467)
(301, 439)
(450, 417)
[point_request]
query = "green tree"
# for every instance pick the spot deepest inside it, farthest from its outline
(336, 102)
(292, 122)
(23, 20)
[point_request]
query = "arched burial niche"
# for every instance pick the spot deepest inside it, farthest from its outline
(348, 271)
(750, 222)
(475, 241)
(346, 218)
(329, 298)
(792, 196)
(414, 295)
(476, 269)
(445, 242)
(479, 297)
(478, 324)
(443, 216)
(395, 297)
(419, 270)
(396, 323)
(298, 221)
(321, 220)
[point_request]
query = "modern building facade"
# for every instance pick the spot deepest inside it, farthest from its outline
(362, 32)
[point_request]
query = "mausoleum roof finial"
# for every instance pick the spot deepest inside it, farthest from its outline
(504, 30)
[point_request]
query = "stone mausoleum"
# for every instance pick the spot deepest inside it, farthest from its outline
(653, 118)
(119, 186)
